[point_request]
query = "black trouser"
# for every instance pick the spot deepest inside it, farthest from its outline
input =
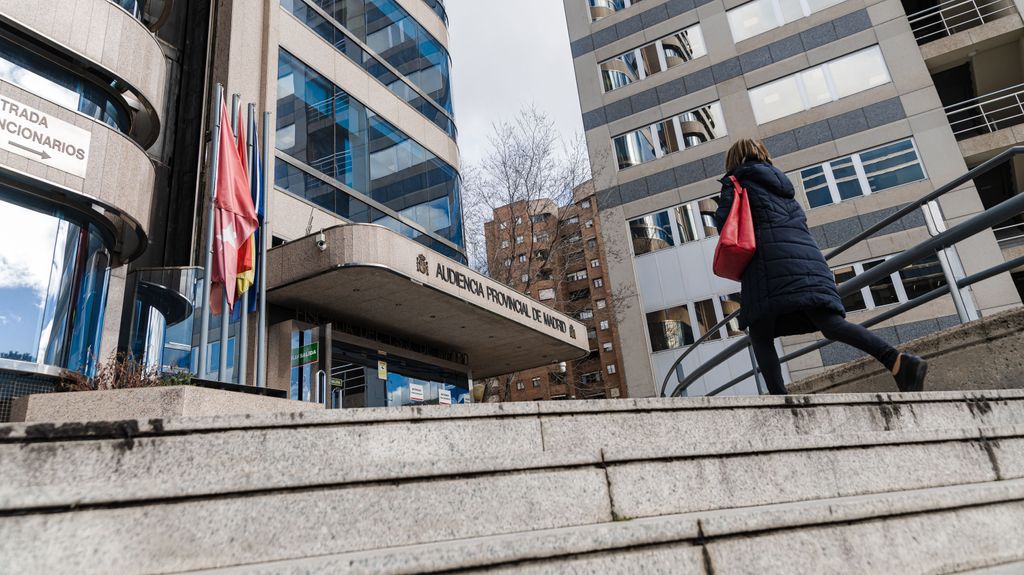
(833, 326)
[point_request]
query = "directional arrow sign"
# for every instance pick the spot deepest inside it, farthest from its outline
(43, 137)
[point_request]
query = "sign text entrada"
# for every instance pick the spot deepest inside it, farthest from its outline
(501, 298)
(43, 138)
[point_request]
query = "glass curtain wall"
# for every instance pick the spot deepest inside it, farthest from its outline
(387, 177)
(53, 288)
(400, 40)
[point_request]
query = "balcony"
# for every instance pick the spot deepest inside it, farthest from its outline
(987, 114)
(953, 16)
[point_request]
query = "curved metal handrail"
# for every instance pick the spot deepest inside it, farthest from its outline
(985, 220)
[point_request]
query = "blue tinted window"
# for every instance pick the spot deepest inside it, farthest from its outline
(892, 165)
(322, 127)
(398, 86)
(59, 85)
(401, 41)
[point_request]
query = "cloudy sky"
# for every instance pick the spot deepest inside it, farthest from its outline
(506, 55)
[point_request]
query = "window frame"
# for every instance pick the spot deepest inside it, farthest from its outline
(694, 218)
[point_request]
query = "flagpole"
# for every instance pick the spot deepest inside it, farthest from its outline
(204, 329)
(225, 315)
(268, 188)
(243, 353)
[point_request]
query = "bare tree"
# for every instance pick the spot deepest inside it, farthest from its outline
(519, 209)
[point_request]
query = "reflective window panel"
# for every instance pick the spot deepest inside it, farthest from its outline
(669, 136)
(860, 174)
(753, 18)
(639, 63)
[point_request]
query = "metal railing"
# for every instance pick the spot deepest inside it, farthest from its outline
(988, 113)
(954, 16)
(1009, 234)
(939, 242)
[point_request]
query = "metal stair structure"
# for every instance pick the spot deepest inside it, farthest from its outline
(879, 483)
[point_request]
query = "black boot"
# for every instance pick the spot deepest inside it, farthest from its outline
(910, 377)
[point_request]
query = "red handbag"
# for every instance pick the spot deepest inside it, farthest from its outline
(736, 244)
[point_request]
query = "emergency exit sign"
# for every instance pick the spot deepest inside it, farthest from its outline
(306, 355)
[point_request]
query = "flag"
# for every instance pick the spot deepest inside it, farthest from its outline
(258, 200)
(234, 216)
(246, 252)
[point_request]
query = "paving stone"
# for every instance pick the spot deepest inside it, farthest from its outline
(672, 90)
(699, 80)
(786, 48)
(781, 144)
(677, 7)
(726, 70)
(618, 110)
(847, 124)
(690, 172)
(644, 100)
(661, 181)
(813, 134)
(884, 112)
(852, 23)
(632, 191)
(654, 16)
(759, 58)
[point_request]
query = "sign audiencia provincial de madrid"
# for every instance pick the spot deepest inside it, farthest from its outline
(504, 298)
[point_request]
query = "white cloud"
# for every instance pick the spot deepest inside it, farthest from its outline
(507, 55)
(26, 248)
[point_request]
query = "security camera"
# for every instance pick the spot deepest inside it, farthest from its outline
(321, 242)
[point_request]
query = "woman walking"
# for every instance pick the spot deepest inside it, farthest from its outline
(788, 288)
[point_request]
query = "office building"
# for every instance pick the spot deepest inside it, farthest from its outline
(866, 105)
(104, 169)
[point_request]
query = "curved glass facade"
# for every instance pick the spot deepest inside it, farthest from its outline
(53, 288)
(400, 40)
(334, 137)
(340, 39)
(438, 7)
(46, 79)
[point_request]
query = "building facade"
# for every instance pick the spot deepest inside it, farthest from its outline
(109, 107)
(556, 254)
(865, 104)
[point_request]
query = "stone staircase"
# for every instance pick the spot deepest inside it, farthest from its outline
(889, 483)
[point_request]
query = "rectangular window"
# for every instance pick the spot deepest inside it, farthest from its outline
(522, 258)
(508, 262)
(611, 368)
(650, 59)
(519, 220)
(598, 282)
(585, 204)
(909, 283)
(535, 381)
(685, 223)
(601, 304)
(588, 224)
(651, 233)
(537, 218)
(706, 209)
(607, 346)
(595, 263)
(706, 319)
(519, 239)
(687, 130)
(520, 386)
(546, 294)
(576, 276)
(731, 303)
(591, 334)
(753, 18)
(670, 328)
(603, 325)
(844, 76)
(586, 314)
(525, 278)
(604, 8)
(502, 225)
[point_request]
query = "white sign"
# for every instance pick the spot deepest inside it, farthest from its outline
(382, 369)
(415, 392)
(445, 397)
(41, 137)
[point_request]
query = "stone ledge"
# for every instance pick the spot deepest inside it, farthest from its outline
(147, 403)
(982, 355)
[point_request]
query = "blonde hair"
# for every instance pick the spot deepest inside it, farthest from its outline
(746, 150)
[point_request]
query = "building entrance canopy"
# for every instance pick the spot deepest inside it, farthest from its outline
(371, 276)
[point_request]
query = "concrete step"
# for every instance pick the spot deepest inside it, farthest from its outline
(1015, 568)
(158, 507)
(938, 530)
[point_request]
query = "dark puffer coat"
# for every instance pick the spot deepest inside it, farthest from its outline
(788, 274)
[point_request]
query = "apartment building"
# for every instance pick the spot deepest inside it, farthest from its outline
(556, 254)
(105, 178)
(865, 104)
